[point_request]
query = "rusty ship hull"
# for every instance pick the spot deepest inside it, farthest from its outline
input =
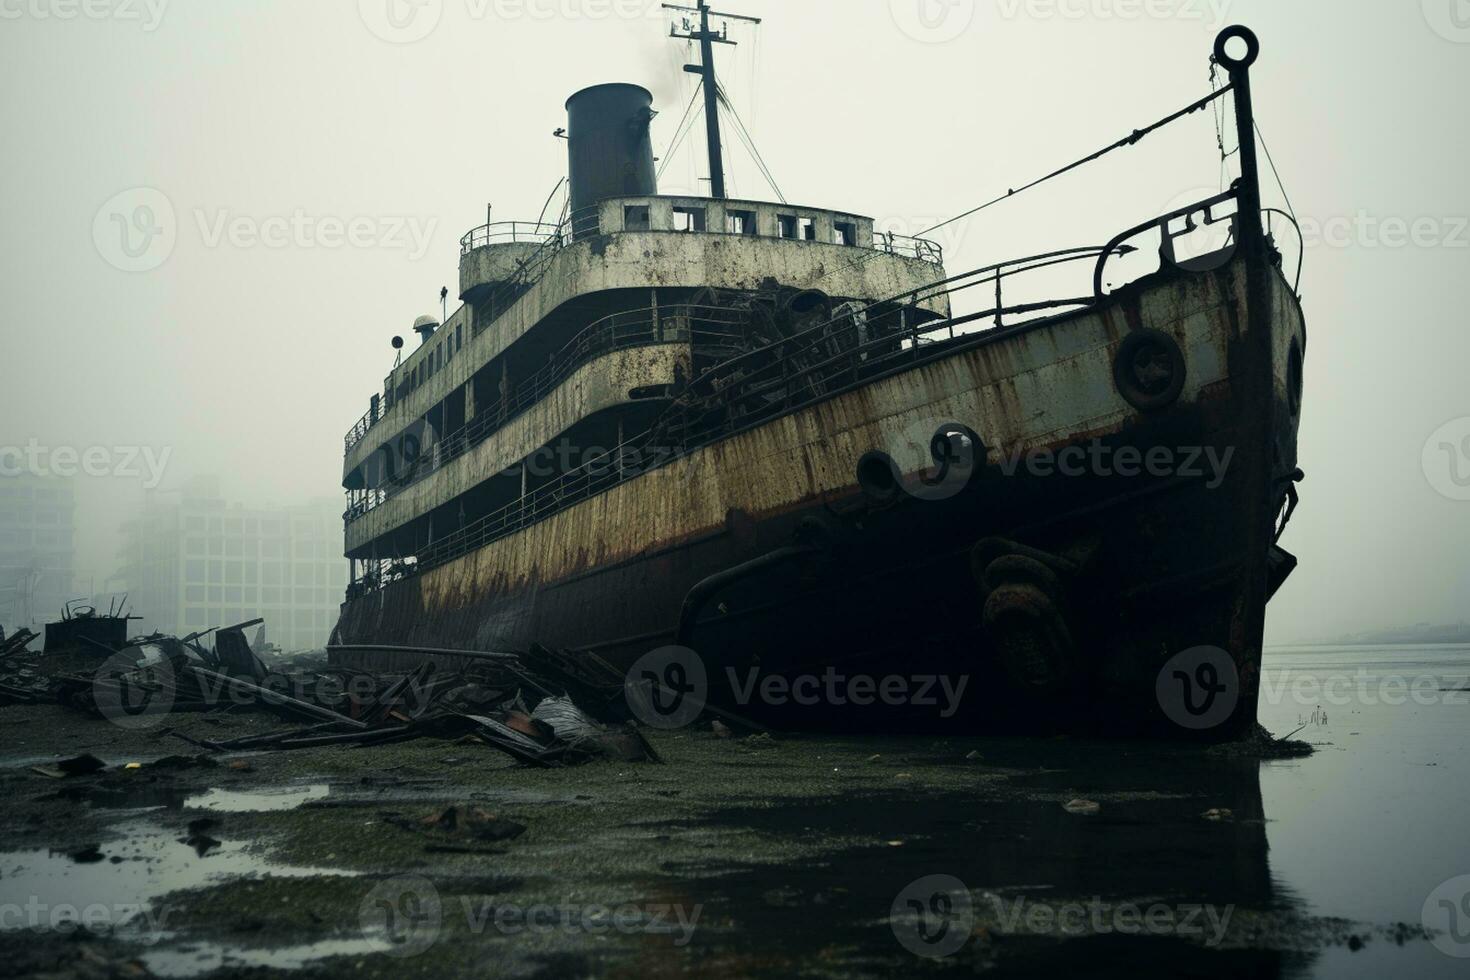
(1064, 513)
(883, 580)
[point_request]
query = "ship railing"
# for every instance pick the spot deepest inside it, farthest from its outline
(784, 376)
(549, 239)
(507, 232)
(908, 247)
(420, 451)
(580, 224)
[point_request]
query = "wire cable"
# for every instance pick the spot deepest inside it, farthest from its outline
(1261, 136)
(1136, 136)
(749, 141)
(679, 134)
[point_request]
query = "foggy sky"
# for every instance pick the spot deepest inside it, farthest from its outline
(361, 160)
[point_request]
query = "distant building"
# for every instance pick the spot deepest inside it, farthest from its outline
(37, 549)
(192, 561)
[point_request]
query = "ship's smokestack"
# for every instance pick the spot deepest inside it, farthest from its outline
(609, 151)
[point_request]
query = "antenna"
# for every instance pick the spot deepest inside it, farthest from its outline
(706, 70)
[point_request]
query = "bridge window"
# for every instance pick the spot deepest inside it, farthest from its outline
(740, 222)
(635, 217)
(844, 233)
(689, 219)
(786, 225)
(808, 230)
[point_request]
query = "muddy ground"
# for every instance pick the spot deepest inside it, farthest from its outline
(754, 856)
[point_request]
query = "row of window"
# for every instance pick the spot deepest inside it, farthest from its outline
(269, 573)
(278, 620)
(44, 517)
(694, 219)
(25, 540)
(267, 548)
(434, 361)
(269, 595)
(300, 527)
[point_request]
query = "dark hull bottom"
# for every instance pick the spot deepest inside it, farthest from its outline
(1134, 571)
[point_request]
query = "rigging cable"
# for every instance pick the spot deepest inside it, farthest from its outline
(679, 134)
(749, 141)
(1262, 137)
(542, 216)
(1136, 136)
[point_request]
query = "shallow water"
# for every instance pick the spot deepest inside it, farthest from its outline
(1374, 821)
(1366, 830)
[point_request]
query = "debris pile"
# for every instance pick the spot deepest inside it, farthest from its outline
(579, 714)
(21, 681)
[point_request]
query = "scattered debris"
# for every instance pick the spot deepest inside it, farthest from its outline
(580, 709)
(457, 829)
(82, 765)
(1088, 807)
(1218, 813)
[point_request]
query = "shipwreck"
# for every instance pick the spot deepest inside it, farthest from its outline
(759, 432)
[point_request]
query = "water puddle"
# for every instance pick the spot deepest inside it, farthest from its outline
(193, 959)
(256, 801)
(113, 887)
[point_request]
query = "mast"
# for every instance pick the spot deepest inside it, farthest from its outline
(706, 70)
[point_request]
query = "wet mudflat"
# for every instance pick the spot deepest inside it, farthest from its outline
(757, 856)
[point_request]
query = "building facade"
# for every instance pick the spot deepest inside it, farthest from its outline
(191, 561)
(37, 549)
